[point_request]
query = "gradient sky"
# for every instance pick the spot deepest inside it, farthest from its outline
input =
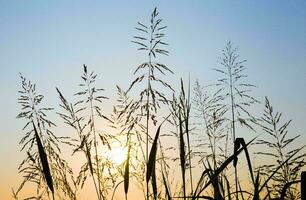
(49, 41)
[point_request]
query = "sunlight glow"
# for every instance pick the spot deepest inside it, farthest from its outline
(117, 155)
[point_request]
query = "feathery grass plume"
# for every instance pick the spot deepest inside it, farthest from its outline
(272, 175)
(235, 91)
(127, 124)
(150, 40)
(72, 119)
(34, 113)
(124, 117)
(219, 112)
(280, 148)
(91, 101)
(180, 110)
(210, 110)
(233, 86)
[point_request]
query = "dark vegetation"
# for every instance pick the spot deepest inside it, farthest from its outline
(204, 121)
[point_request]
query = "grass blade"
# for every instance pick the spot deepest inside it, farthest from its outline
(152, 156)
(88, 154)
(166, 186)
(280, 166)
(223, 166)
(182, 153)
(287, 185)
(244, 146)
(127, 172)
(154, 184)
(44, 161)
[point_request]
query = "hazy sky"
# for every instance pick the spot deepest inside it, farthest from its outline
(49, 41)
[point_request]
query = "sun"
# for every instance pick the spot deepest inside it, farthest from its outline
(117, 155)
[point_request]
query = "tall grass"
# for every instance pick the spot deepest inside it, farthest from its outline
(278, 143)
(236, 89)
(150, 40)
(42, 166)
(201, 163)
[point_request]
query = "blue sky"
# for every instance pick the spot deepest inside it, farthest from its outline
(49, 41)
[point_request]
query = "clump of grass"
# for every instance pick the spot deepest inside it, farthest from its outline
(219, 112)
(150, 40)
(181, 110)
(278, 143)
(129, 132)
(44, 166)
(235, 91)
(210, 110)
(88, 95)
(89, 104)
(72, 119)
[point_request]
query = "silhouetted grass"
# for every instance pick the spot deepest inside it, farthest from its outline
(202, 162)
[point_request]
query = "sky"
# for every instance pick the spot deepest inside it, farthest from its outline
(49, 41)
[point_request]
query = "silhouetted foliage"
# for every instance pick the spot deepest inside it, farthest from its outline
(203, 156)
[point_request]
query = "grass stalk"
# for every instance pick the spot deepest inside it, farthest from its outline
(95, 144)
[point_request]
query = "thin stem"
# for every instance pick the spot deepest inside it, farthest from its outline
(187, 131)
(94, 181)
(139, 139)
(95, 139)
(147, 127)
(116, 189)
(147, 107)
(202, 107)
(209, 134)
(79, 130)
(233, 117)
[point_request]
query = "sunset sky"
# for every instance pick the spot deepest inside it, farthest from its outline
(49, 41)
